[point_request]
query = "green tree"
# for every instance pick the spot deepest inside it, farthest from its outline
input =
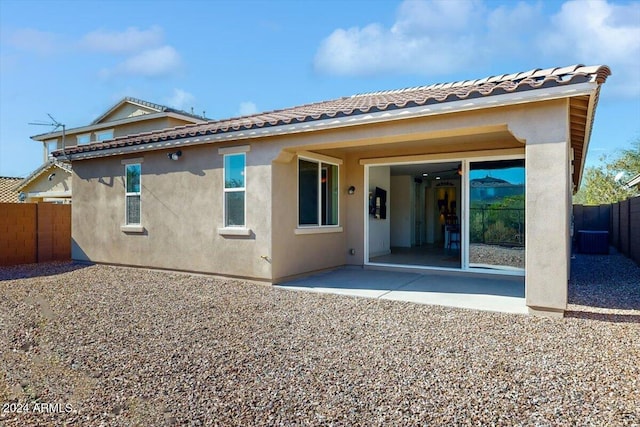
(605, 184)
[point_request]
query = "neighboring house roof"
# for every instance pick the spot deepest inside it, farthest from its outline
(634, 181)
(7, 193)
(555, 81)
(157, 107)
(45, 168)
(153, 111)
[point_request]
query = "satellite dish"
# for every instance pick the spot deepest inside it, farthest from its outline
(22, 197)
(619, 176)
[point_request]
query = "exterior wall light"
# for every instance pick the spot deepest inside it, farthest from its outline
(175, 156)
(351, 190)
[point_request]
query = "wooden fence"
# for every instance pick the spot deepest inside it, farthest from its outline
(34, 232)
(622, 220)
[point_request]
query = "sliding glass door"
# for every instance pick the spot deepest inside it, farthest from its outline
(496, 225)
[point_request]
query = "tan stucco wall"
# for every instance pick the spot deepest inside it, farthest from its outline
(182, 201)
(293, 253)
(181, 212)
(548, 210)
(41, 188)
(60, 182)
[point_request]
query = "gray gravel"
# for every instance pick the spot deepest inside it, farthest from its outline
(135, 347)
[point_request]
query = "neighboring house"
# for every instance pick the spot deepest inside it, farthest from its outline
(7, 193)
(288, 192)
(634, 182)
(51, 182)
(489, 188)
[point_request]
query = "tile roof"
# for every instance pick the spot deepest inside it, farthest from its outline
(370, 103)
(7, 193)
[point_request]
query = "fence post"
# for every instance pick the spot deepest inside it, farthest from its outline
(483, 228)
(628, 230)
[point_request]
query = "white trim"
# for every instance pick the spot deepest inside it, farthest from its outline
(320, 157)
(234, 231)
(318, 229)
(234, 150)
(66, 193)
(633, 182)
(102, 131)
(466, 158)
(132, 228)
(78, 136)
(226, 190)
(465, 231)
(319, 163)
(127, 194)
(534, 95)
(132, 160)
(365, 196)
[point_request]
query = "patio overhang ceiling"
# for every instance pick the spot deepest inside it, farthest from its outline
(462, 140)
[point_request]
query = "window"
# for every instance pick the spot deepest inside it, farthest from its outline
(132, 195)
(234, 190)
(84, 138)
(317, 193)
(52, 146)
(104, 135)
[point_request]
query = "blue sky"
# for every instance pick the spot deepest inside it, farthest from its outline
(76, 59)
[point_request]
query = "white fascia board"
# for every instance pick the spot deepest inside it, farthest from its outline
(533, 95)
(66, 193)
(115, 123)
(634, 181)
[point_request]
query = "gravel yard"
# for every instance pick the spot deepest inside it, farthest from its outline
(118, 346)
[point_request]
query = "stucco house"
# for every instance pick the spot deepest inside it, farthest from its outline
(51, 181)
(377, 180)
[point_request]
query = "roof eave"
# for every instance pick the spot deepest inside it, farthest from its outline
(38, 172)
(108, 125)
(591, 112)
(515, 98)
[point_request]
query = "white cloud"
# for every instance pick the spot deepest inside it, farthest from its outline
(247, 108)
(32, 40)
(182, 100)
(156, 62)
(130, 40)
(598, 32)
(432, 38)
(427, 38)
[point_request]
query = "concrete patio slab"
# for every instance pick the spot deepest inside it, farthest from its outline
(480, 292)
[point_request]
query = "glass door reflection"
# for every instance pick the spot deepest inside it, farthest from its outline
(497, 214)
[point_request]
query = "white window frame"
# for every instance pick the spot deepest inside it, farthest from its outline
(495, 269)
(131, 227)
(88, 135)
(243, 231)
(465, 161)
(317, 228)
(102, 132)
(226, 190)
(48, 145)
